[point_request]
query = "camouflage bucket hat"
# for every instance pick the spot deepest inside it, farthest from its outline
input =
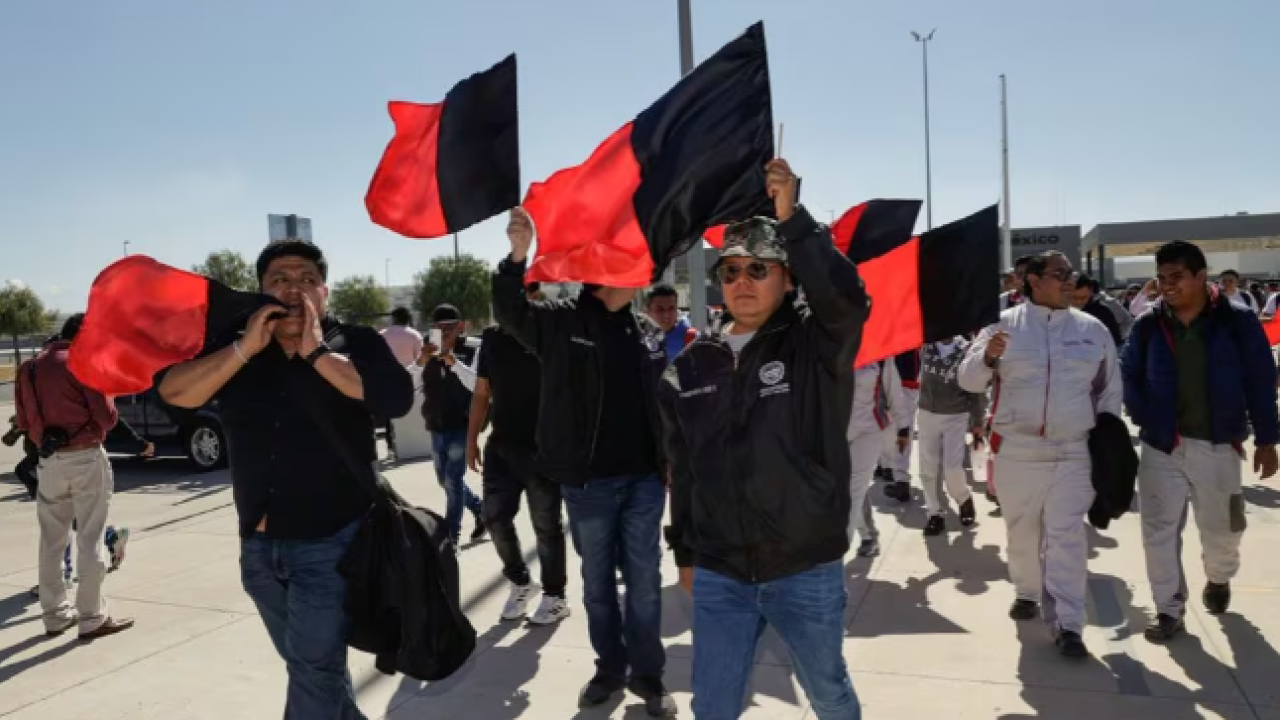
(755, 238)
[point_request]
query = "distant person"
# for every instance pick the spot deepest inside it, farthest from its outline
(1086, 301)
(662, 308)
(1229, 281)
(406, 343)
(68, 422)
(291, 374)
(1014, 296)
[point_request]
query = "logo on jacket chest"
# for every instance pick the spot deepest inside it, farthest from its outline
(771, 376)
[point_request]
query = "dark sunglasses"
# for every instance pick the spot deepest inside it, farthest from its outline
(730, 274)
(1061, 274)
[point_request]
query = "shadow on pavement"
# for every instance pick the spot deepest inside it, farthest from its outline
(14, 606)
(165, 475)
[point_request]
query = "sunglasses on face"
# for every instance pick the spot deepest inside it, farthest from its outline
(730, 274)
(1061, 274)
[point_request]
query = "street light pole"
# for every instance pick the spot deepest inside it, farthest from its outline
(455, 247)
(1006, 230)
(695, 259)
(928, 159)
(126, 248)
(387, 274)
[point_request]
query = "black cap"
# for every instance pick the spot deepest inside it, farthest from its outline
(445, 313)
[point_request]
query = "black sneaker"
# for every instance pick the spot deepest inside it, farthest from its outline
(1070, 644)
(481, 530)
(967, 513)
(1023, 610)
(1217, 598)
(600, 690)
(936, 526)
(1165, 628)
(657, 701)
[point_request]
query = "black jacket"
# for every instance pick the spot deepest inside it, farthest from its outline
(446, 404)
(565, 334)
(759, 459)
(1115, 470)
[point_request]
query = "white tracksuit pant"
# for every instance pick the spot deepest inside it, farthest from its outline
(899, 461)
(1210, 475)
(1046, 490)
(864, 454)
(942, 446)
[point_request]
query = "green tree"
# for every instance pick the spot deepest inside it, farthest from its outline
(21, 313)
(462, 282)
(229, 268)
(359, 300)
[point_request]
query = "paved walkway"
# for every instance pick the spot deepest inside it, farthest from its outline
(927, 634)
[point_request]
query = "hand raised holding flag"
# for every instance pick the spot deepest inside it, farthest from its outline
(781, 185)
(520, 233)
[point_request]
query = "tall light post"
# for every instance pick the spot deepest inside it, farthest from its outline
(387, 274)
(126, 248)
(928, 160)
(696, 259)
(455, 247)
(1006, 230)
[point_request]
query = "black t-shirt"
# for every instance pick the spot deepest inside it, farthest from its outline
(624, 443)
(514, 376)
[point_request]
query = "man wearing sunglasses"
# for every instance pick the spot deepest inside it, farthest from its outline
(755, 415)
(1053, 371)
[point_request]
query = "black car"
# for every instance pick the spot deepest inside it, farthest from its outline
(197, 434)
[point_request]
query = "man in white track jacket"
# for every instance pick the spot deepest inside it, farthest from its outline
(1054, 370)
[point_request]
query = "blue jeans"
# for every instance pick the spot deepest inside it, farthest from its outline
(608, 518)
(301, 597)
(807, 611)
(449, 455)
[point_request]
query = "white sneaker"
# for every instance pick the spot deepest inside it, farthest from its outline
(518, 602)
(551, 611)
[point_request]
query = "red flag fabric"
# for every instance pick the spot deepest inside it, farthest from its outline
(692, 160)
(1272, 327)
(452, 164)
(144, 316)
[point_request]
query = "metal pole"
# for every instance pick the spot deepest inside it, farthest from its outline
(387, 274)
(1006, 230)
(928, 153)
(126, 248)
(696, 260)
(455, 247)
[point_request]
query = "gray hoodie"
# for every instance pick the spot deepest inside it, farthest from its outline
(940, 391)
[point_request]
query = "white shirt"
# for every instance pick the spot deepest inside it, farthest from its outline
(405, 342)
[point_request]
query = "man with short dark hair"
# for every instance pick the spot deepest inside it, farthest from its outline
(1085, 299)
(1229, 281)
(1053, 370)
(291, 389)
(662, 306)
(507, 394)
(1015, 295)
(755, 419)
(448, 379)
(406, 342)
(68, 423)
(597, 435)
(1198, 374)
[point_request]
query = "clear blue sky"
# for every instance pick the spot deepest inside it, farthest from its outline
(178, 125)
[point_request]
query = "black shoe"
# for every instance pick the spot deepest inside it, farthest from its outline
(657, 701)
(1070, 644)
(936, 526)
(1217, 598)
(879, 473)
(897, 490)
(967, 513)
(599, 691)
(1165, 628)
(1024, 610)
(481, 530)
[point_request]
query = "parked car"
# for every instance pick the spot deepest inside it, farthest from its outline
(197, 434)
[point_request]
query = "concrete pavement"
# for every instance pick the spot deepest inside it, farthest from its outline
(927, 633)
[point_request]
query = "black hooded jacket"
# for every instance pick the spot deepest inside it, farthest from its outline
(760, 462)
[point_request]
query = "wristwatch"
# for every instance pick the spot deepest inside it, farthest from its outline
(321, 350)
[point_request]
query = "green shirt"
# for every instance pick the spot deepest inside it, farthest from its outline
(1192, 358)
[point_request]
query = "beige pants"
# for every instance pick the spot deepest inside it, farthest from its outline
(864, 454)
(1046, 489)
(1210, 477)
(74, 485)
(942, 441)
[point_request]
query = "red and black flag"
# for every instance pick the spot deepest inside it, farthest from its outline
(923, 289)
(452, 164)
(693, 160)
(144, 316)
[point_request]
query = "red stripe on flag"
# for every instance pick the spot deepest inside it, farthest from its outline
(896, 323)
(404, 195)
(142, 317)
(842, 232)
(715, 236)
(1272, 327)
(586, 220)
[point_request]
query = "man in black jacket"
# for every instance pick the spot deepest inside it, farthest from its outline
(448, 379)
(597, 435)
(754, 418)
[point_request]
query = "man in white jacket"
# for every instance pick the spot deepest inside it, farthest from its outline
(1054, 370)
(880, 415)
